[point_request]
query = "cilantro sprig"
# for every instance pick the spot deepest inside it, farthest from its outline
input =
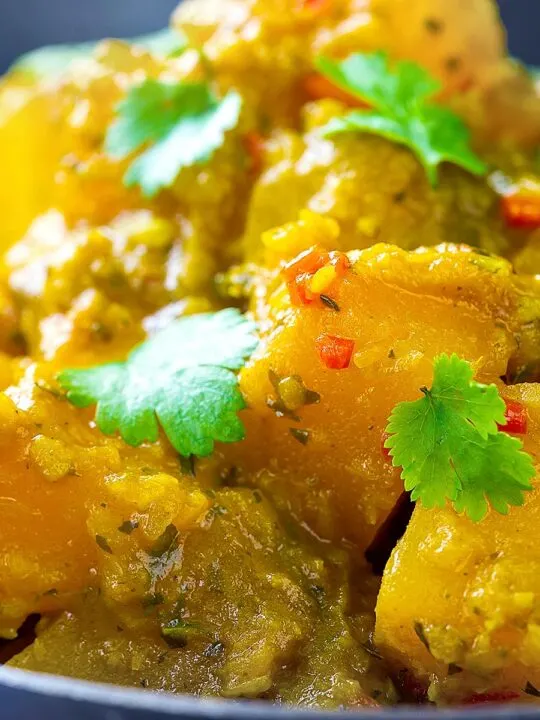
(401, 110)
(176, 125)
(449, 447)
(182, 378)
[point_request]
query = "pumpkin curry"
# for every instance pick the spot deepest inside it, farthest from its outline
(270, 357)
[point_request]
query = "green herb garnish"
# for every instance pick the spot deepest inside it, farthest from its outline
(401, 110)
(329, 302)
(182, 378)
(449, 446)
(531, 690)
(151, 601)
(177, 633)
(215, 649)
(128, 526)
(175, 125)
(421, 635)
(166, 542)
(188, 465)
(301, 435)
(103, 544)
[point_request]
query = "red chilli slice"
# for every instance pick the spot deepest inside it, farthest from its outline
(521, 206)
(307, 262)
(335, 351)
(299, 291)
(340, 261)
(495, 696)
(516, 418)
(315, 6)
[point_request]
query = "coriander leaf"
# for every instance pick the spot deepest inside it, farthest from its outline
(443, 137)
(369, 77)
(401, 110)
(176, 125)
(449, 448)
(181, 378)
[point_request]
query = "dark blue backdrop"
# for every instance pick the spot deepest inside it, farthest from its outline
(27, 24)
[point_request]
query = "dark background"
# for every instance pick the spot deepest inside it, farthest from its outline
(28, 24)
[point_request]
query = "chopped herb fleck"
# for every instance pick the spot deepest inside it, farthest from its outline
(312, 397)
(257, 496)
(167, 541)
(149, 471)
(229, 478)
(103, 544)
(531, 690)
(187, 464)
(292, 395)
(215, 649)
(151, 601)
(454, 669)
(329, 302)
(18, 338)
(128, 526)
(391, 353)
(177, 633)
(102, 332)
(453, 63)
(319, 593)
(280, 410)
(52, 592)
(419, 630)
(46, 387)
(301, 435)
(368, 647)
(433, 25)
(274, 378)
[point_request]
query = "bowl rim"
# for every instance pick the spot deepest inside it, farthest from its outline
(31, 686)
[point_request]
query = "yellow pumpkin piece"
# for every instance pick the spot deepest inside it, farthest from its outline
(30, 149)
(469, 592)
(369, 190)
(286, 241)
(53, 137)
(324, 461)
(54, 134)
(54, 464)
